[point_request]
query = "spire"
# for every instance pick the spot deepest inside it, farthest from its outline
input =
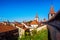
(36, 18)
(52, 10)
(36, 15)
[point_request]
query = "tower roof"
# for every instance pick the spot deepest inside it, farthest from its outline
(52, 10)
(36, 15)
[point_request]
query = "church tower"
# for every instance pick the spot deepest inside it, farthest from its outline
(51, 13)
(44, 20)
(36, 18)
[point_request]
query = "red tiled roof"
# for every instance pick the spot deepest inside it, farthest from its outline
(20, 25)
(34, 22)
(5, 28)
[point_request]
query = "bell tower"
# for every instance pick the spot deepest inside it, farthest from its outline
(51, 13)
(36, 18)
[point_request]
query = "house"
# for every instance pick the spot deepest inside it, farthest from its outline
(34, 24)
(21, 28)
(8, 32)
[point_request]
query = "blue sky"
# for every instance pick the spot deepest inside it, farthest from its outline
(26, 10)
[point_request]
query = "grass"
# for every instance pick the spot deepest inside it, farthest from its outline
(41, 35)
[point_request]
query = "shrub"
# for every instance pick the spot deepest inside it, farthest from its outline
(41, 35)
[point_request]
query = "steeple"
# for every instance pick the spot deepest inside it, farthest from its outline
(52, 10)
(51, 13)
(36, 17)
